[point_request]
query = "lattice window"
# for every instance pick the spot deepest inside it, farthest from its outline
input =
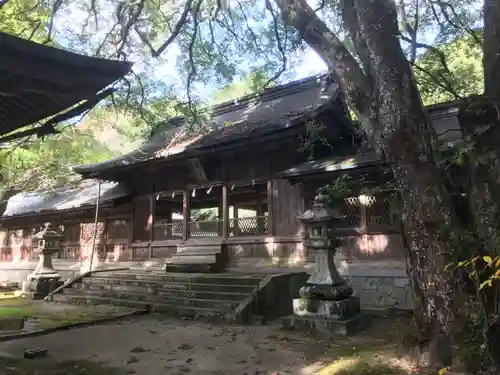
(364, 211)
(349, 208)
(378, 212)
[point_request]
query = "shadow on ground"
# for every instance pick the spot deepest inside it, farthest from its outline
(150, 346)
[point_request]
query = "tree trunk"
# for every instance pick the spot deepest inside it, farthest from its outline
(400, 130)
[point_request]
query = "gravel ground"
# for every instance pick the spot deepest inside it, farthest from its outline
(150, 346)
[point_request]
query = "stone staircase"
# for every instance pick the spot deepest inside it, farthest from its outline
(230, 297)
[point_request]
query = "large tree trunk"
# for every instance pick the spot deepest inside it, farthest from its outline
(482, 122)
(387, 103)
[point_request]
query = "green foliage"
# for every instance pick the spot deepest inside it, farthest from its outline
(46, 163)
(252, 83)
(462, 76)
(484, 270)
(312, 138)
(24, 18)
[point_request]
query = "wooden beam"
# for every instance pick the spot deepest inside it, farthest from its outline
(270, 208)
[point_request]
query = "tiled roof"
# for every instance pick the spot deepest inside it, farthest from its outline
(38, 81)
(63, 199)
(254, 115)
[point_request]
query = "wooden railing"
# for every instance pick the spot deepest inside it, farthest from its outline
(248, 226)
(245, 226)
(205, 228)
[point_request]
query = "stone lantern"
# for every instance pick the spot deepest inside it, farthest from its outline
(325, 281)
(45, 278)
(326, 300)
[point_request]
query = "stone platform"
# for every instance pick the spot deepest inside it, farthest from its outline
(327, 317)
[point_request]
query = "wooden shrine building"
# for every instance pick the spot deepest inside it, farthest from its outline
(238, 185)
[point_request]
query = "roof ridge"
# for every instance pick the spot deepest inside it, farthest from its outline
(268, 94)
(271, 93)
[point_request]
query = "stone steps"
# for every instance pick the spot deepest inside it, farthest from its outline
(111, 282)
(190, 312)
(223, 296)
(206, 292)
(198, 278)
(215, 302)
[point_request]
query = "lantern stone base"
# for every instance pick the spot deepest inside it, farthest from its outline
(341, 291)
(343, 309)
(324, 326)
(332, 317)
(41, 287)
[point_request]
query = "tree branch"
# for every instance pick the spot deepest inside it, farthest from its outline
(410, 30)
(55, 8)
(441, 56)
(176, 30)
(341, 64)
(351, 24)
(442, 81)
(443, 6)
(281, 48)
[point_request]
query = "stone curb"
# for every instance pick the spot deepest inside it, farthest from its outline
(45, 331)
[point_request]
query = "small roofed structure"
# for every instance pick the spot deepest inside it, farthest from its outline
(83, 196)
(38, 81)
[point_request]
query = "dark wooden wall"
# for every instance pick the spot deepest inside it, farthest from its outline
(287, 203)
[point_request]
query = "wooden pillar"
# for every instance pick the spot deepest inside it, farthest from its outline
(362, 216)
(259, 213)
(104, 238)
(220, 222)
(186, 213)
(168, 229)
(236, 223)
(151, 220)
(270, 208)
(225, 212)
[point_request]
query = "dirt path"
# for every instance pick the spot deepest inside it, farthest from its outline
(151, 346)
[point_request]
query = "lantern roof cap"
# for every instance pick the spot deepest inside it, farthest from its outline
(320, 212)
(47, 232)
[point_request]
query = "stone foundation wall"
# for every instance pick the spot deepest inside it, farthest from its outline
(381, 292)
(379, 284)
